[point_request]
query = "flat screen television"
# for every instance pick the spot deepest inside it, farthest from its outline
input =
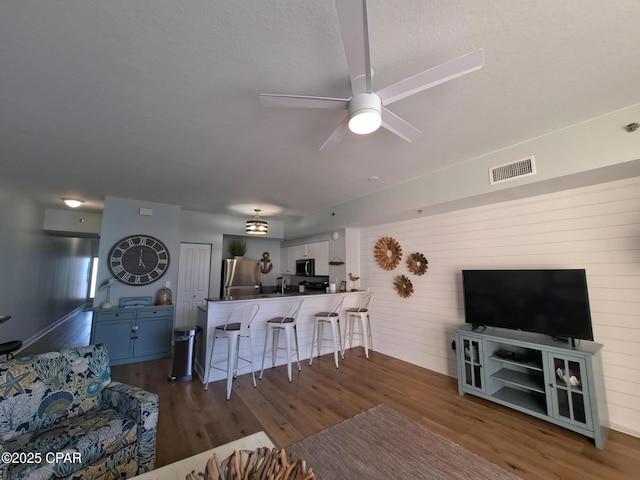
(553, 302)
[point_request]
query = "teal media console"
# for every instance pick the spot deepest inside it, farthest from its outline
(537, 375)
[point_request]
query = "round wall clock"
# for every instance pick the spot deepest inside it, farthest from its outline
(138, 260)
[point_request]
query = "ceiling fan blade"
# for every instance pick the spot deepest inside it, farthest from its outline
(336, 137)
(395, 124)
(355, 37)
(301, 101)
(430, 78)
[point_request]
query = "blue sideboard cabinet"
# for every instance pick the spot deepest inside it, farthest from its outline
(537, 375)
(134, 334)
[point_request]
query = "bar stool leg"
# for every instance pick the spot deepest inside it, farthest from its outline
(369, 331)
(336, 347)
(253, 370)
(288, 338)
(320, 335)
(264, 350)
(213, 344)
(340, 342)
(313, 340)
(295, 336)
(232, 359)
(365, 335)
(274, 345)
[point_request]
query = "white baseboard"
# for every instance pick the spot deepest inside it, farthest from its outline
(623, 429)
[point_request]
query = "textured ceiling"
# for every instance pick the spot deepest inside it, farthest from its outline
(158, 100)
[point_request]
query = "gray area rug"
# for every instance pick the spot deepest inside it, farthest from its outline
(381, 443)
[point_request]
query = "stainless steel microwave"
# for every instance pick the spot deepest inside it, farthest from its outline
(306, 267)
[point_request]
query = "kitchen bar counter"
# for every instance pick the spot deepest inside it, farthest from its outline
(271, 305)
(261, 296)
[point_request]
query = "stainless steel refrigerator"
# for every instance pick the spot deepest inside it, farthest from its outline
(240, 277)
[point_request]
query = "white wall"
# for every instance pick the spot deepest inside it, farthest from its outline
(122, 218)
(596, 228)
(72, 223)
(589, 153)
(43, 277)
(256, 247)
(173, 226)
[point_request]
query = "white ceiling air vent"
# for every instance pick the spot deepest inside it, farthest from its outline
(509, 171)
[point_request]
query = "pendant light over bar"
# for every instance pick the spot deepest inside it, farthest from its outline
(257, 226)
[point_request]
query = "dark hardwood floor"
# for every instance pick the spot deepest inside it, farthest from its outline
(192, 420)
(75, 331)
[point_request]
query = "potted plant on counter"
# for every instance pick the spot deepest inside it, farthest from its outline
(237, 247)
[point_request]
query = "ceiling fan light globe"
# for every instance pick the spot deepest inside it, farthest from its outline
(364, 113)
(365, 121)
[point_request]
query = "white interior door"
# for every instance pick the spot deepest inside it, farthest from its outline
(193, 282)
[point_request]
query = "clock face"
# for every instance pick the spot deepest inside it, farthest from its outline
(138, 260)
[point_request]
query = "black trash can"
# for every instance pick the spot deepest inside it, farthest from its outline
(183, 347)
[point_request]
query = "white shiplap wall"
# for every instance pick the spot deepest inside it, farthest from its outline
(596, 228)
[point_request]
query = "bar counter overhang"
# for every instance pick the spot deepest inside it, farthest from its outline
(271, 305)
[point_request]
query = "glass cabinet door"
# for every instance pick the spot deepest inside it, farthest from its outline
(472, 368)
(569, 390)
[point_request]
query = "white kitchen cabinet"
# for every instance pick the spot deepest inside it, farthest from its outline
(285, 267)
(297, 252)
(316, 250)
(288, 257)
(320, 252)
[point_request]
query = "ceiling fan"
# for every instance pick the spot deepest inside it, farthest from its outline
(367, 109)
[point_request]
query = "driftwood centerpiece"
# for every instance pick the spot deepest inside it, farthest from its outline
(388, 253)
(261, 464)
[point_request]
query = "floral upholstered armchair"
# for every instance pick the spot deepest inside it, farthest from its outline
(61, 416)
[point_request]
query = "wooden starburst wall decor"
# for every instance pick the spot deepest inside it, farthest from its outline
(403, 286)
(417, 263)
(388, 253)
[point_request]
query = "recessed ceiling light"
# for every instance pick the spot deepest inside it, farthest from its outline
(72, 203)
(374, 178)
